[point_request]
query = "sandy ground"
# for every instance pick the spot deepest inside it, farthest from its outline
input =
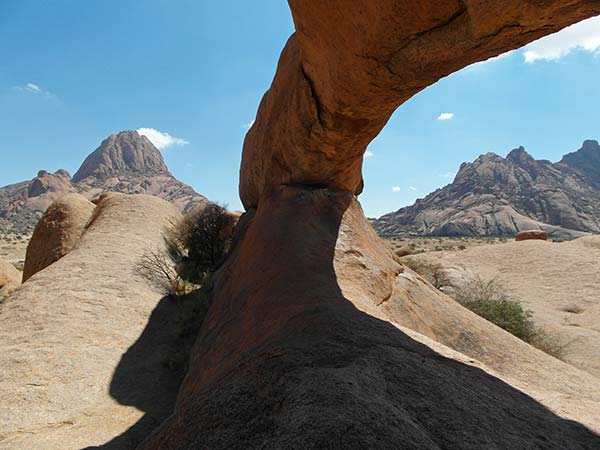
(559, 282)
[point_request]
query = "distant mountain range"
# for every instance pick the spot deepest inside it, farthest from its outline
(125, 162)
(495, 196)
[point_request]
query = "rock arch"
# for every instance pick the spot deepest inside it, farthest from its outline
(317, 337)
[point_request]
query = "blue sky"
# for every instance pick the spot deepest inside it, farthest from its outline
(73, 72)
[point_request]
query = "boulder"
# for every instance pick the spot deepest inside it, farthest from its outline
(57, 232)
(531, 234)
(405, 250)
(10, 278)
(8, 274)
(90, 353)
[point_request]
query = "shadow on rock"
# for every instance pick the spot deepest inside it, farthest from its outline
(285, 361)
(150, 372)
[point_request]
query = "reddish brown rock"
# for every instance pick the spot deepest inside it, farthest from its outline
(57, 232)
(348, 67)
(531, 234)
(302, 346)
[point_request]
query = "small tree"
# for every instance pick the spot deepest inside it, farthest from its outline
(197, 245)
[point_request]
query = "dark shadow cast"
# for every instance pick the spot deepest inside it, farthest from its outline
(285, 361)
(149, 374)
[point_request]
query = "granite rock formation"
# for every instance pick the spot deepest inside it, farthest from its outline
(57, 232)
(307, 342)
(495, 196)
(85, 345)
(125, 162)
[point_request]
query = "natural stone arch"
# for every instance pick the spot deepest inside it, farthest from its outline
(316, 337)
(350, 64)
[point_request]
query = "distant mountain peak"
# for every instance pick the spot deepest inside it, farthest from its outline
(501, 196)
(124, 162)
(124, 153)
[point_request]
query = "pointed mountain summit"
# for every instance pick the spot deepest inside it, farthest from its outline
(496, 196)
(124, 153)
(124, 162)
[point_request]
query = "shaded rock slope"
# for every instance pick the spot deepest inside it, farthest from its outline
(85, 345)
(495, 196)
(125, 162)
(316, 336)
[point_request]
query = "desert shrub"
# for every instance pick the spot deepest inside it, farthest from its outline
(194, 248)
(462, 247)
(490, 300)
(156, 267)
(432, 272)
(197, 245)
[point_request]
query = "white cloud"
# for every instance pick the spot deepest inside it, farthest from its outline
(248, 125)
(159, 139)
(412, 188)
(396, 189)
(32, 88)
(369, 154)
(446, 116)
(581, 36)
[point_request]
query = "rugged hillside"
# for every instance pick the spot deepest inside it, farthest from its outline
(500, 196)
(125, 162)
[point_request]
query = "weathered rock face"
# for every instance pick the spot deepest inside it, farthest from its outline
(298, 349)
(57, 232)
(85, 346)
(531, 234)
(317, 354)
(346, 69)
(501, 196)
(120, 154)
(125, 162)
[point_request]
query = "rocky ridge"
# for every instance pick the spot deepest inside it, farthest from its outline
(125, 162)
(496, 196)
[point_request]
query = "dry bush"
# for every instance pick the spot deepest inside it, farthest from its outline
(197, 245)
(156, 267)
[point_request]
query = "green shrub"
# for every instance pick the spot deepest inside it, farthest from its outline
(490, 300)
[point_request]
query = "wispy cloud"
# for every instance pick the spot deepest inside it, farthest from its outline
(248, 125)
(159, 139)
(412, 188)
(396, 189)
(581, 36)
(33, 88)
(446, 116)
(369, 154)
